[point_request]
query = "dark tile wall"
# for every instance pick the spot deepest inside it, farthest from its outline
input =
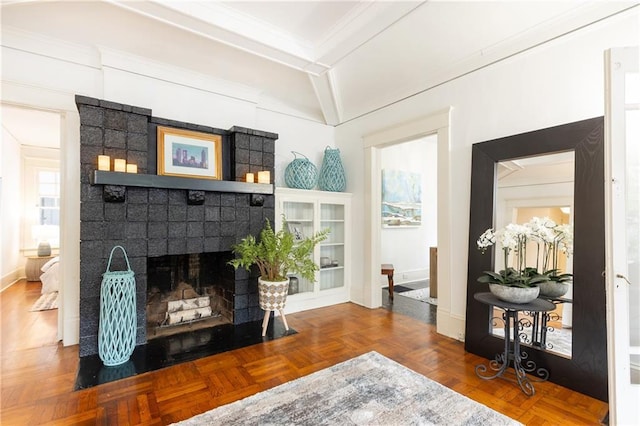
(155, 221)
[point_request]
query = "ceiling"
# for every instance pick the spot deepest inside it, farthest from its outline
(20, 123)
(327, 61)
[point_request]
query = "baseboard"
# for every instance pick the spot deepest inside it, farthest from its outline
(405, 277)
(9, 279)
(71, 331)
(450, 325)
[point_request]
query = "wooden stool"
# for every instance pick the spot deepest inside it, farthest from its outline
(387, 269)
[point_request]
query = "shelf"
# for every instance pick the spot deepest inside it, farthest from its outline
(331, 268)
(171, 182)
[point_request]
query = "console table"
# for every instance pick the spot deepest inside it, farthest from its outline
(512, 353)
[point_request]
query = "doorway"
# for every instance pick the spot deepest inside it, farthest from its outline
(409, 224)
(448, 322)
(31, 203)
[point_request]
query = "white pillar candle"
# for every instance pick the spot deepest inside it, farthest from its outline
(119, 165)
(264, 177)
(104, 162)
(250, 178)
(132, 168)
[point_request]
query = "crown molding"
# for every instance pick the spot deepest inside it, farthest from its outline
(47, 46)
(122, 61)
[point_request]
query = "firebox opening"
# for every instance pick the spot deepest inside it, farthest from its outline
(188, 292)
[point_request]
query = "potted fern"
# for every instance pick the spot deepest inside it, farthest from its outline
(277, 254)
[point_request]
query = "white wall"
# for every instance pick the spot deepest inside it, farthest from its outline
(306, 137)
(559, 82)
(10, 208)
(408, 248)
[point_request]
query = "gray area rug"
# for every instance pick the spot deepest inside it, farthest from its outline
(421, 294)
(45, 302)
(366, 390)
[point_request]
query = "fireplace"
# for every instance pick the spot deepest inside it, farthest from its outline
(188, 292)
(168, 232)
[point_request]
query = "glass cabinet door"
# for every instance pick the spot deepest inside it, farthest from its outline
(299, 221)
(307, 212)
(332, 256)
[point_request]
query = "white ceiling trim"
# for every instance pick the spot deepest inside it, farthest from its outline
(162, 71)
(198, 27)
(327, 97)
(370, 22)
(298, 60)
(221, 23)
(48, 46)
(219, 15)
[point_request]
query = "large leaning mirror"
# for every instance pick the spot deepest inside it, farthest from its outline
(537, 193)
(584, 369)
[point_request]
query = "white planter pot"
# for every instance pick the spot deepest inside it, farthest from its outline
(514, 294)
(554, 289)
(272, 294)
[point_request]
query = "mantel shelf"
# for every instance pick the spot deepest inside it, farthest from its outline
(100, 177)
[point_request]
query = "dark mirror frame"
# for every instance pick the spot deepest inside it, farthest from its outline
(586, 371)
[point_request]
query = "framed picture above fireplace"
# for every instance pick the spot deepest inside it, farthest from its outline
(186, 153)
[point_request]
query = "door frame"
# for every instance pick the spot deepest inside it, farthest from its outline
(623, 395)
(437, 123)
(64, 104)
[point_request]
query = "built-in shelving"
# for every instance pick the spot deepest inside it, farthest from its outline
(309, 212)
(100, 177)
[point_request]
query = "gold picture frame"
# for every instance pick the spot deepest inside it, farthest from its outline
(185, 153)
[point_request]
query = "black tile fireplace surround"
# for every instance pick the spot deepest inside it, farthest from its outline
(158, 221)
(172, 350)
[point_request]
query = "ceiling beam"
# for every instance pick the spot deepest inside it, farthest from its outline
(224, 24)
(328, 98)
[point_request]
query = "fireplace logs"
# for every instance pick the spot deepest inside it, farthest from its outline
(178, 310)
(187, 310)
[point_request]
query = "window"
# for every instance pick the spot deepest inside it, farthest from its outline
(49, 197)
(41, 202)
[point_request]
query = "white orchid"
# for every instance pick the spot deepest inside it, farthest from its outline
(486, 240)
(550, 237)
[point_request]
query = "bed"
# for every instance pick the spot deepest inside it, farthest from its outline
(50, 275)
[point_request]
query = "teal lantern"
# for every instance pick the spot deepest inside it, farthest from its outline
(301, 173)
(332, 177)
(117, 328)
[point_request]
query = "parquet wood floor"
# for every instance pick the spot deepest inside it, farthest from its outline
(38, 374)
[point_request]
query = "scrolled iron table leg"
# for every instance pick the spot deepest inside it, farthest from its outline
(525, 370)
(501, 361)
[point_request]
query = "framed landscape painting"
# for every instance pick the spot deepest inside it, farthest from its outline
(401, 199)
(186, 153)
